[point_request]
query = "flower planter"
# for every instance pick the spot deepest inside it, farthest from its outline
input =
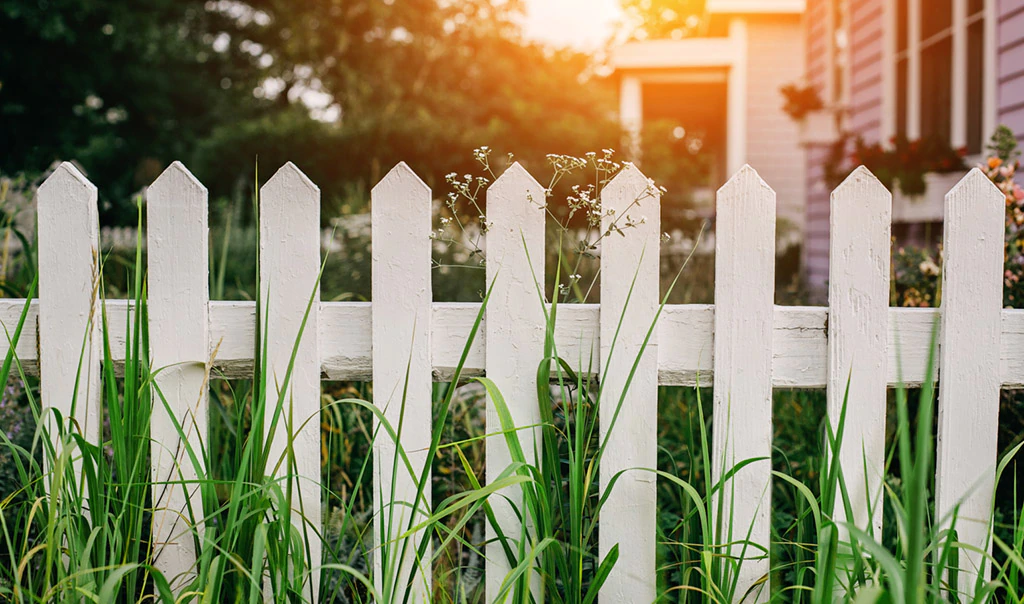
(818, 128)
(930, 205)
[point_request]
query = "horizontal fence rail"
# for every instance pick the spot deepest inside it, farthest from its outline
(685, 351)
(744, 346)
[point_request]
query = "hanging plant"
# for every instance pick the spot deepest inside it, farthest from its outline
(801, 100)
(903, 162)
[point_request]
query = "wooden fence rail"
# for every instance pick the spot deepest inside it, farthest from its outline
(402, 340)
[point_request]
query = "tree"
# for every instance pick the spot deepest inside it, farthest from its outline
(419, 81)
(660, 19)
(125, 87)
(116, 84)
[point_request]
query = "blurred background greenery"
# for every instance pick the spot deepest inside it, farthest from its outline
(343, 88)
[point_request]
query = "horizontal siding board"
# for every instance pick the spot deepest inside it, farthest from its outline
(864, 8)
(1009, 7)
(1011, 28)
(867, 75)
(866, 42)
(1014, 119)
(816, 34)
(1011, 59)
(1010, 92)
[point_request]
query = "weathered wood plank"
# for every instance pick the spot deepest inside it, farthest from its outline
(514, 345)
(178, 280)
(69, 320)
(968, 426)
(629, 408)
(401, 294)
(858, 293)
(289, 278)
(742, 427)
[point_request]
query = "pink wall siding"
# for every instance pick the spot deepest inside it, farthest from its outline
(866, 47)
(1011, 65)
(815, 253)
(772, 137)
(867, 39)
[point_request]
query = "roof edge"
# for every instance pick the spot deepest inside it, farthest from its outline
(755, 7)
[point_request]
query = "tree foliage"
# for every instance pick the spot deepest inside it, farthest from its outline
(344, 88)
(664, 19)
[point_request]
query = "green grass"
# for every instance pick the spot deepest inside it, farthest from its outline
(66, 536)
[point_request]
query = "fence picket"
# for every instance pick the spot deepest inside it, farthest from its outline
(178, 297)
(515, 342)
(629, 305)
(754, 345)
(858, 300)
(401, 294)
(289, 256)
(69, 320)
(972, 299)
(744, 298)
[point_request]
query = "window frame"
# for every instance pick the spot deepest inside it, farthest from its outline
(961, 23)
(839, 58)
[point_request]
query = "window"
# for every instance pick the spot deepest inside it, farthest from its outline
(976, 83)
(935, 38)
(902, 65)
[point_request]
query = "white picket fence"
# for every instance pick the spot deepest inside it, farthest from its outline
(743, 345)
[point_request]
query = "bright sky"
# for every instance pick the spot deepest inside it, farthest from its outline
(585, 24)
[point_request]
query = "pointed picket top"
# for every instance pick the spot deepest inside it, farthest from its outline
(861, 177)
(745, 179)
(626, 186)
(175, 178)
(401, 176)
(69, 179)
(289, 179)
(975, 184)
(863, 189)
(516, 177)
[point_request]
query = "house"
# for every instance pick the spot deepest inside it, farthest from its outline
(725, 84)
(946, 69)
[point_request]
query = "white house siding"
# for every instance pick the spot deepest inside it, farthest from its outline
(817, 210)
(1011, 65)
(772, 137)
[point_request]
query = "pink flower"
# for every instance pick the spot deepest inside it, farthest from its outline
(1018, 193)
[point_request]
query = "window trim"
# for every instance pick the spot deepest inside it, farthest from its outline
(844, 71)
(958, 81)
